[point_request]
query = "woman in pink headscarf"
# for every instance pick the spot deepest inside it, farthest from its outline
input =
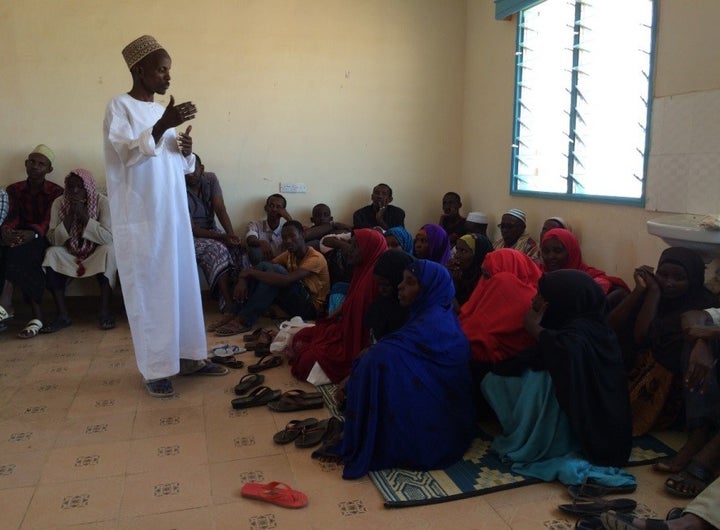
(82, 246)
(334, 343)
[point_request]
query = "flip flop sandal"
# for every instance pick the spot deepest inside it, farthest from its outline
(292, 430)
(252, 336)
(248, 382)
(598, 506)
(264, 339)
(31, 329)
(160, 388)
(106, 322)
(590, 490)
(624, 521)
(295, 400)
(56, 325)
(230, 362)
(265, 363)
(262, 351)
(226, 350)
(333, 436)
(221, 322)
(690, 481)
(312, 435)
(275, 493)
(262, 395)
(234, 327)
(589, 523)
(4, 315)
(210, 368)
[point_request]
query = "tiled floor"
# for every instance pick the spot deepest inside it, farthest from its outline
(82, 445)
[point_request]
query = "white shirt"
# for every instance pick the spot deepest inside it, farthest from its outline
(153, 238)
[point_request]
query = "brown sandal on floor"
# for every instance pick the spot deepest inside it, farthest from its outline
(263, 340)
(690, 482)
(220, 322)
(233, 327)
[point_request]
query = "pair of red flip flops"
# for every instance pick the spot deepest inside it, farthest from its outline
(276, 493)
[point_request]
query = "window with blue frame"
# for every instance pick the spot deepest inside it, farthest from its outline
(583, 93)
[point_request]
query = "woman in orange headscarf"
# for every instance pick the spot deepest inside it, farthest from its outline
(493, 318)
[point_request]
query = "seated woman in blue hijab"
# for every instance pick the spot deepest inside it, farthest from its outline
(409, 402)
(564, 404)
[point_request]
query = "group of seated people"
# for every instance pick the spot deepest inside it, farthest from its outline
(432, 329)
(423, 334)
(49, 234)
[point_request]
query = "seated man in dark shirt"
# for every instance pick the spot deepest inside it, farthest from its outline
(452, 222)
(322, 225)
(23, 235)
(380, 213)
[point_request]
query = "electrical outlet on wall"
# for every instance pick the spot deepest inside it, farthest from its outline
(293, 187)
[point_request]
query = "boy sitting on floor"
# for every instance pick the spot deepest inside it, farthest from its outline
(297, 281)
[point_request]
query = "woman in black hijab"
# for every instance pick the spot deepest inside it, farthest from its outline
(385, 314)
(649, 324)
(583, 357)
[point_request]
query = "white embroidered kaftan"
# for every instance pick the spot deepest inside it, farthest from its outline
(153, 238)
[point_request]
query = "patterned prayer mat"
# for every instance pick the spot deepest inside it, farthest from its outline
(478, 473)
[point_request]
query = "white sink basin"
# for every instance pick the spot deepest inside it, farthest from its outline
(684, 230)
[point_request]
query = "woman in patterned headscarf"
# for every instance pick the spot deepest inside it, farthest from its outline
(81, 246)
(465, 266)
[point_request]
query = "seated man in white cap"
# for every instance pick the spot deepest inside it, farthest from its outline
(23, 235)
(512, 228)
(476, 223)
(554, 222)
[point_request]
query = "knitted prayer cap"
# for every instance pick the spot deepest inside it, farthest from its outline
(140, 48)
(519, 214)
(44, 150)
(477, 217)
(562, 222)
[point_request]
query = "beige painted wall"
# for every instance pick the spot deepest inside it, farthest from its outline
(613, 238)
(337, 94)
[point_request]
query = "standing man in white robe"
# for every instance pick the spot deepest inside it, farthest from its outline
(145, 163)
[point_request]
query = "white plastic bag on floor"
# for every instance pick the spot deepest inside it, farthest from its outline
(287, 330)
(317, 376)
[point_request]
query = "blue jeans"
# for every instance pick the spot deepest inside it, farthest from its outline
(294, 299)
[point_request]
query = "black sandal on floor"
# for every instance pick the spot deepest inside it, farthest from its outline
(248, 382)
(265, 363)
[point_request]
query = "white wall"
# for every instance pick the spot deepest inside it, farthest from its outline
(338, 94)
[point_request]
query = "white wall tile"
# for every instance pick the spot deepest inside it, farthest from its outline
(684, 164)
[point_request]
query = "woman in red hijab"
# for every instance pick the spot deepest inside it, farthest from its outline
(335, 342)
(493, 319)
(560, 250)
